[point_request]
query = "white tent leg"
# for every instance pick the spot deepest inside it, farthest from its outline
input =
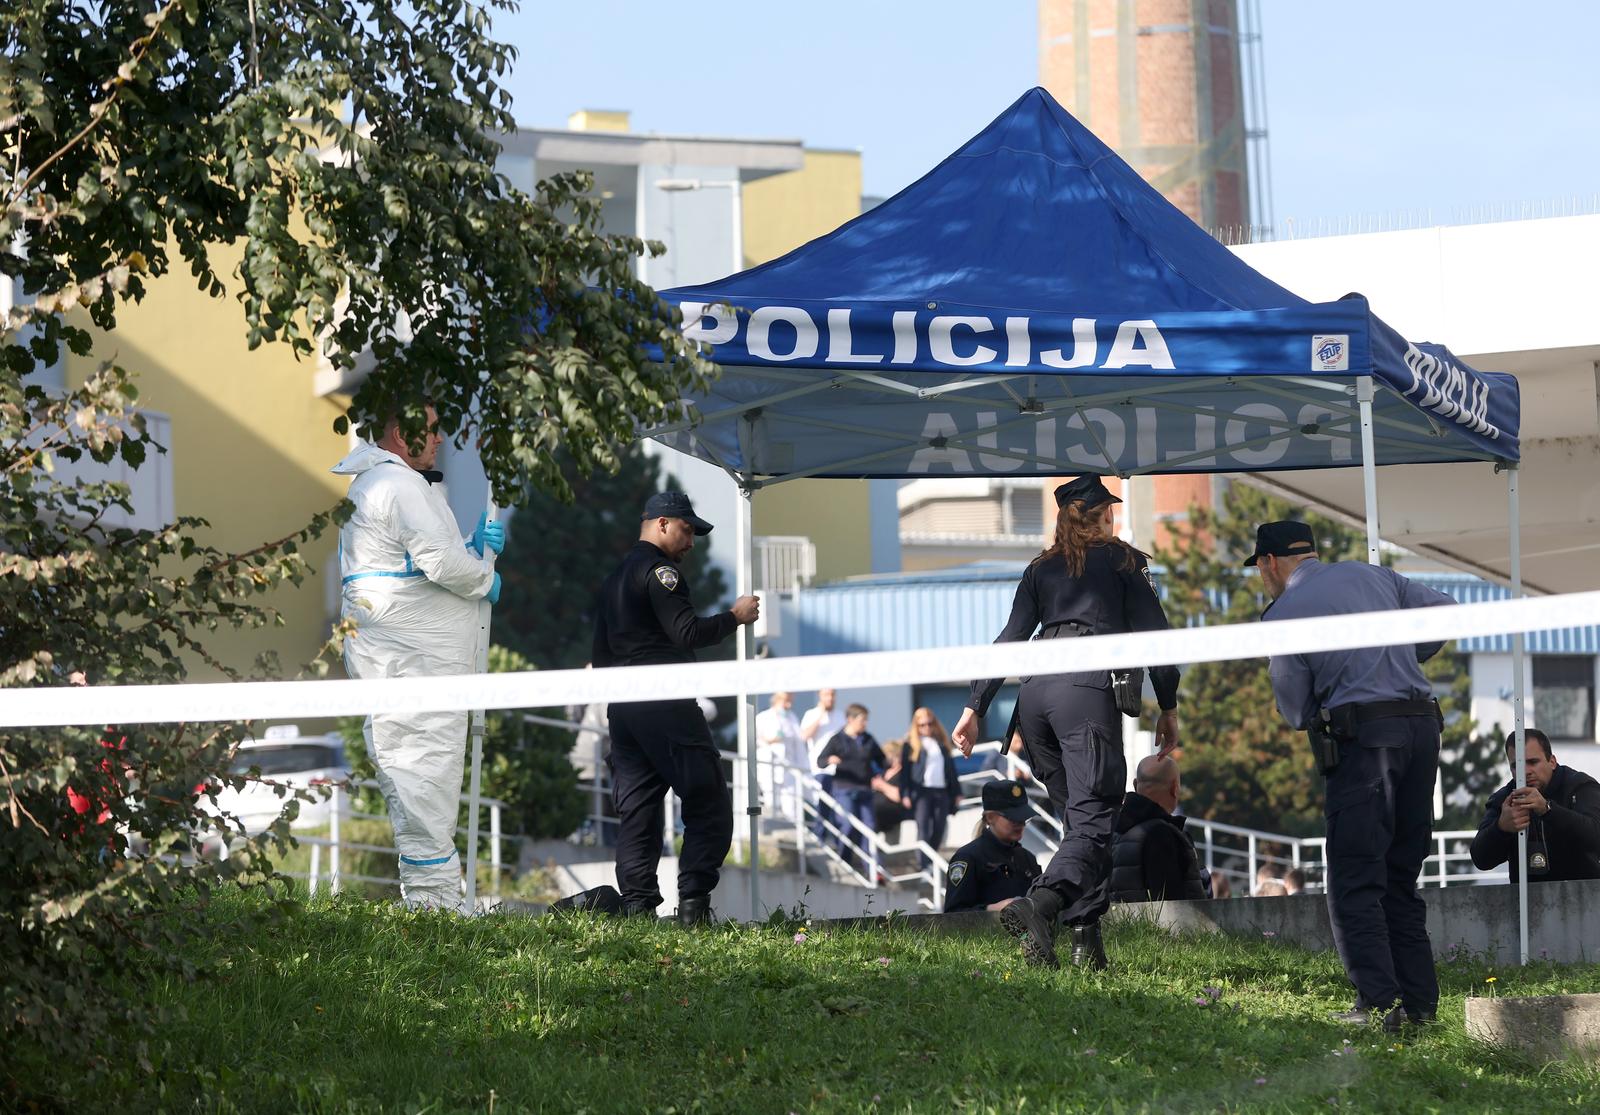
(747, 747)
(1129, 534)
(1518, 706)
(1369, 466)
(475, 782)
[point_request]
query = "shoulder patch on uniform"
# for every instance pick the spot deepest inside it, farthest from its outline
(1149, 579)
(958, 871)
(668, 577)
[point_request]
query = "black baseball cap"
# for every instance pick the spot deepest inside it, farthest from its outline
(1008, 799)
(1090, 489)
(1285, 538)
(674, 505)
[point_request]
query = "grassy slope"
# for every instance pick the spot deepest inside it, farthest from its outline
(365, 1008)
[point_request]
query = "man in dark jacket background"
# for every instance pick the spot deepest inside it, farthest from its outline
(1560, 808)
(1152, 856)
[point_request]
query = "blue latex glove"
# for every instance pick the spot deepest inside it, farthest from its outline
(488, 534)
(493, 596)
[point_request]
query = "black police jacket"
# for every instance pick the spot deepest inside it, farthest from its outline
(644, 616)
(1569, 833)
(1152, 856)
(1113, 596)
(988, 870)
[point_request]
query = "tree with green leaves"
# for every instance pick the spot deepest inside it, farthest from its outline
(1242, 764)
(350, 150)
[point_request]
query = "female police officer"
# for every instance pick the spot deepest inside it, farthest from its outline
(994, 870)
(1086, 583)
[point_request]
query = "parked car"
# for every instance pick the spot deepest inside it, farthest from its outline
(302, 762)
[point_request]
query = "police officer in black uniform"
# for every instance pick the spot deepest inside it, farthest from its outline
(994, 869)
(644, 617)
(1087, 583)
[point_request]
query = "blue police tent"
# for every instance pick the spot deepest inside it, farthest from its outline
(1033, 306)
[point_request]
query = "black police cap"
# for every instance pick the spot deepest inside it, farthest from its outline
(1285, 538)
(1008, 799)
(1090, 489)
(674, 505)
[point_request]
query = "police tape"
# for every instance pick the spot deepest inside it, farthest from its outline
(220, 701)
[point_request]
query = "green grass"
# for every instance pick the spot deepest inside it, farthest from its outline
(356, 1007)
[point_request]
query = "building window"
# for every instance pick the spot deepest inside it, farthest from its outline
(1563, 695)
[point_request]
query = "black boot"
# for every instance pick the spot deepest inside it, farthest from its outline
(1088, 949)
(694, 911)
(599, 900)
(1032, 920)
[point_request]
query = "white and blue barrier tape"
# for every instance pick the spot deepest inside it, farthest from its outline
(206, 701)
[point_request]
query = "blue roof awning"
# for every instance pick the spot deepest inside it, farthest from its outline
(968, 604)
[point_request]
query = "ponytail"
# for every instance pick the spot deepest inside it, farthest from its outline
(1076, 531)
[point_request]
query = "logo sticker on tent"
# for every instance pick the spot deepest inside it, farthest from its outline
(1330, 352)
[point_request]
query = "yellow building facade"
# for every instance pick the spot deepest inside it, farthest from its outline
(249, 444)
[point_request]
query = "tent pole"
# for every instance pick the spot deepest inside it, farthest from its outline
(1369, 466)
(1518, 705)
(1129, 534)
(745, 559)
(475, 733)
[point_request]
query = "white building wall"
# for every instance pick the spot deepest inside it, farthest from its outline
(1492, 691)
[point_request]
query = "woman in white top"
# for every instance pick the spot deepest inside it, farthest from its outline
(928, 776)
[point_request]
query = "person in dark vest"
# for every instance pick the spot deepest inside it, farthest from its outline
(1560, 809)
(995, 869)
(1152, 857)
(1087, 583)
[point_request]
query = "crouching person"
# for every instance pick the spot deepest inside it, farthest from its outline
(995, 869)
(1152, 857)
(1558, 807)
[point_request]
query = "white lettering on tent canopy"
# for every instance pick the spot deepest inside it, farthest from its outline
(951, 340)
(1447, 390)
(1255, 435)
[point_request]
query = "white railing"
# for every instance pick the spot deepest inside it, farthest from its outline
(1232, 851)
(784, 561)
(1239, 854)
(334, 843)
(808, 806)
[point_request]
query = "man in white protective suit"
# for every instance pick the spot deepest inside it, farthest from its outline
(412, 584)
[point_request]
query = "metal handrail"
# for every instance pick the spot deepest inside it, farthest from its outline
(336, 844)
(1239, 861)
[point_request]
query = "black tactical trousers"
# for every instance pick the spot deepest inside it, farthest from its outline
(657, 746)
(1380, 826)
(1072, 735)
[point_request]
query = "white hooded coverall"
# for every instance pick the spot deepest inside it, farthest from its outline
(412, 588)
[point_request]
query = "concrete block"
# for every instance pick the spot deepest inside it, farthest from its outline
(1544, 1027)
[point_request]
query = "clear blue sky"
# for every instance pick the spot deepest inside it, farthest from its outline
(1372, 106)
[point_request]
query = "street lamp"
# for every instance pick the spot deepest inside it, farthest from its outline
(735, 190)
